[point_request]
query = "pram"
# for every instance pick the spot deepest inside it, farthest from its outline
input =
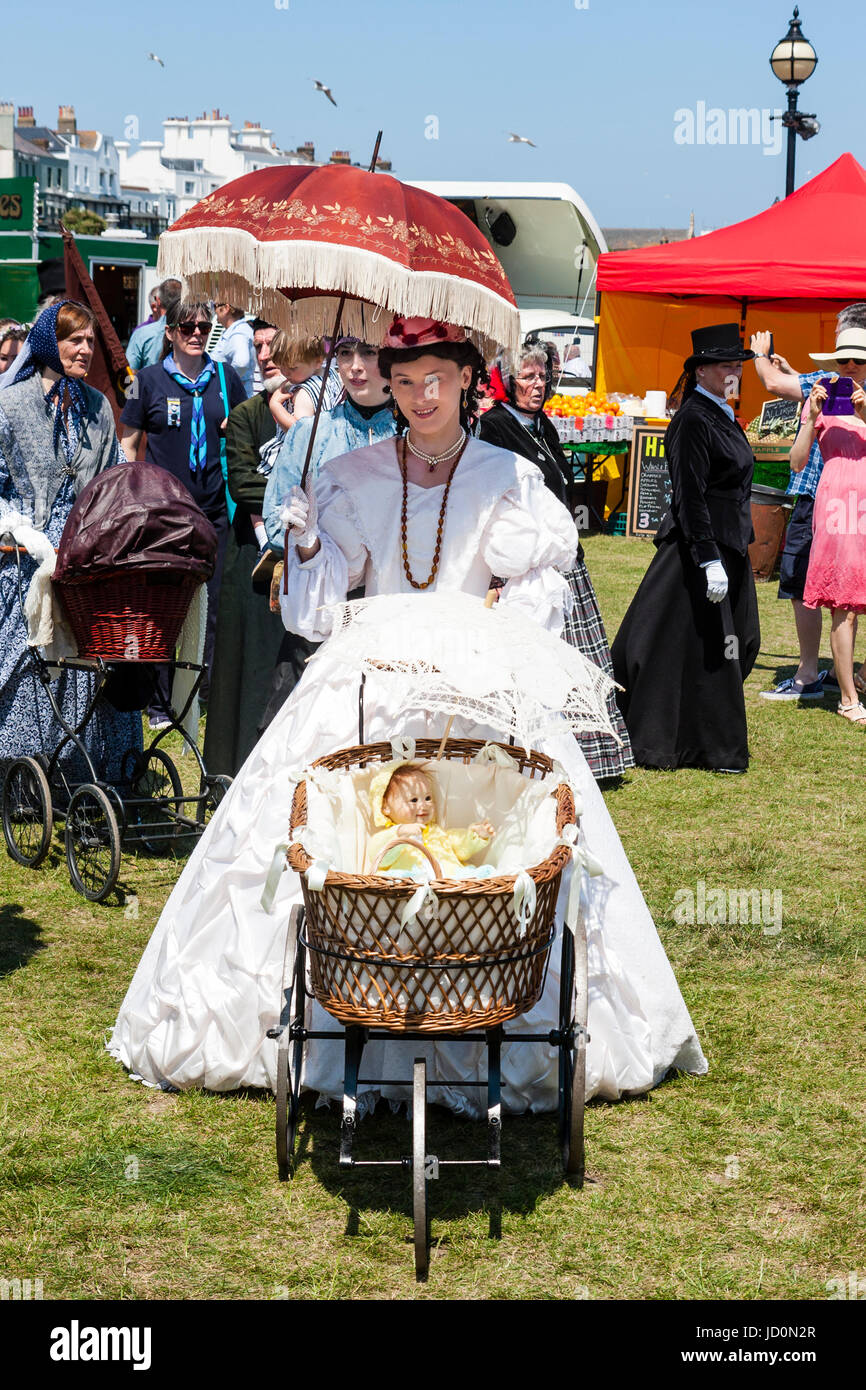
(126, 598)
(461, 975)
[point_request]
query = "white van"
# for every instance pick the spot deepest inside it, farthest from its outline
(548, 243)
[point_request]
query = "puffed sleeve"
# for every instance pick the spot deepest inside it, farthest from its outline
(338, 566)
(529, 539)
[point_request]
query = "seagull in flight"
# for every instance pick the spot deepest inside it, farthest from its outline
(154, 58)
(521, 140)
(320, 87)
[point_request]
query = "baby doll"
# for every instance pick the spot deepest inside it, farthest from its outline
(402, 800)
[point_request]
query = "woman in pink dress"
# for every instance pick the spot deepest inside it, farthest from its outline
(837, 565)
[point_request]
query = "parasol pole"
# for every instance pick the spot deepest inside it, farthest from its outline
(328, 360)
(492, 596)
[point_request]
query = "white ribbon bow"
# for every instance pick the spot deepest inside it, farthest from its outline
(402, 747)
(272, 882)
(423, 897)
(492, 753)
(524, 901)
(581, 859)
(558, 775)
(316, 875)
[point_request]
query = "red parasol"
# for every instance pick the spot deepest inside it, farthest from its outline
(286, 241)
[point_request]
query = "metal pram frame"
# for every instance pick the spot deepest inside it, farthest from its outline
(336, 972)
(146, 809)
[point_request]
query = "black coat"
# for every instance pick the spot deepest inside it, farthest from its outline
(710, 463)
(498, 426)
(680, 659)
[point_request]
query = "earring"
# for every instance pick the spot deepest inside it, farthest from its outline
(465, 400)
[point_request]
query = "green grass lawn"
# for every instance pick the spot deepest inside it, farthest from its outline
(746, 1183)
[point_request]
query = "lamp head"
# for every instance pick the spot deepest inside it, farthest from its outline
(793, 59)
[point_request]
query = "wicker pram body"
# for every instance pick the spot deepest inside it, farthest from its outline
(464, 965)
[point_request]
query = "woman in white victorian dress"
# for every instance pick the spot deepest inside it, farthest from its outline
(432, 509)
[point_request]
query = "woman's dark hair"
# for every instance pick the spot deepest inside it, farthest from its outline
(181, 312)
(684, 388)
(464, 354)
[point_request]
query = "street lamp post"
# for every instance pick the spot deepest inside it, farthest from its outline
(793, 60)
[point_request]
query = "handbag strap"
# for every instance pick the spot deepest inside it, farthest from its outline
(231, 505)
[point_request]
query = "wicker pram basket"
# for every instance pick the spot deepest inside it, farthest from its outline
(128, 616)
(360, 968)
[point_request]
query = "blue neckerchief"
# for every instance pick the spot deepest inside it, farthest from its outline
(198, 432)
(67, 391)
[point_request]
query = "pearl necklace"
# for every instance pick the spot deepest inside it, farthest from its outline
(433, 460)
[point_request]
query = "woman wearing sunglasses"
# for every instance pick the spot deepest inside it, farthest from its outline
(836, 578)
(181, 404)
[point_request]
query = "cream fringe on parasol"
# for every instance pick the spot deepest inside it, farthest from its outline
(234, 263)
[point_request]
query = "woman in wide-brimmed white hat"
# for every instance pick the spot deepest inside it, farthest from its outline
(837, 563)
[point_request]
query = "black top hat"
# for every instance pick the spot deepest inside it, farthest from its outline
(721, 342)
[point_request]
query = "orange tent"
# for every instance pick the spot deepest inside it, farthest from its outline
(789, 269)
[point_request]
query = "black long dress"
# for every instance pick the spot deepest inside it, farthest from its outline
(682, 659)
(248, 634)
(538, 441)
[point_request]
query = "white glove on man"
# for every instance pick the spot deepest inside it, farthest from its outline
(717, 580)
(300, 515)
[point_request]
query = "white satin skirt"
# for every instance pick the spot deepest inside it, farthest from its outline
(209, 984)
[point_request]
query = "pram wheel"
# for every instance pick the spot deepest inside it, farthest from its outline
(572, 1050)
(156, 785)
(28, 819)
(419, 1164)
(92, 843)
(290, 1054)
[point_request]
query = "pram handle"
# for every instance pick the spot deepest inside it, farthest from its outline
(416, 844)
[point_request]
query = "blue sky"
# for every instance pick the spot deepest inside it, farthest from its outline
(598, 88)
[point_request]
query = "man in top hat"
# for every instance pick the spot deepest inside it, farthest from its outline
(780, 379)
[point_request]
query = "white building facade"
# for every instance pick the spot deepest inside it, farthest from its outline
(195, 157)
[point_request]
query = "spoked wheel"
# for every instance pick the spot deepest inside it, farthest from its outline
(92, 843)
(573, 996)
(419, 1165)
(290, 1054)
(157, 786)
(28, 819)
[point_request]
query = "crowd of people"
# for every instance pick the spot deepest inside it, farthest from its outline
(233, 425)
(426, 467)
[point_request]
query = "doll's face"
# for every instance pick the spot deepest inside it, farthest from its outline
(409, 798)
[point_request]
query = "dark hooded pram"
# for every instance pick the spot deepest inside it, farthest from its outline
(134, 553)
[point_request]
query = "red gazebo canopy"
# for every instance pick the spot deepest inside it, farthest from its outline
(809, 246)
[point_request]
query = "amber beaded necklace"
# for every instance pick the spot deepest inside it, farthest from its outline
(404, 515)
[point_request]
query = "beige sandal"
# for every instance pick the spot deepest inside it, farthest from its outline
(855, 714)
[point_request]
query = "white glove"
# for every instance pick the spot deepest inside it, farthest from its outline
(300, 515)
(717, 580)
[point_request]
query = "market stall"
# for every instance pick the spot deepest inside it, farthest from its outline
(789, 269)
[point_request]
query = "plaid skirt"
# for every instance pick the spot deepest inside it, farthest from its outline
(584, 629)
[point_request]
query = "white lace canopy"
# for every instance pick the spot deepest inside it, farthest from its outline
(445, 652)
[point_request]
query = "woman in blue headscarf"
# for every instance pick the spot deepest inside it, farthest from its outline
(56, 433)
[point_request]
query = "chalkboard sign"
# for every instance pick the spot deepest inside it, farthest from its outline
(777, 413)
(650, 487)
